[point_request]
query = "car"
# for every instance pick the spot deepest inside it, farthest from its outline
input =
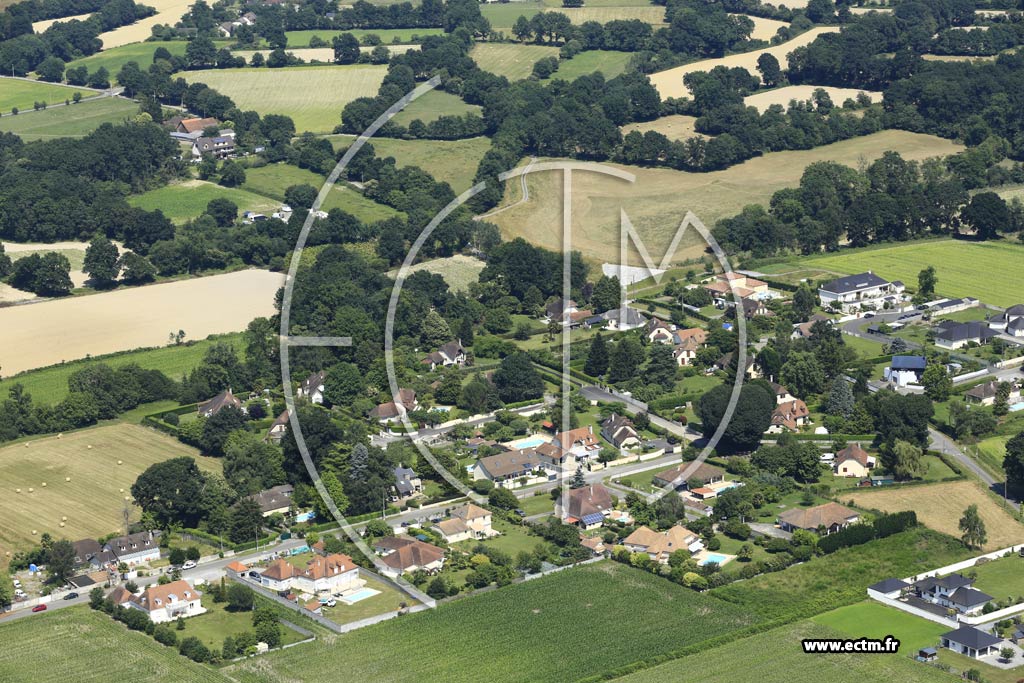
(189, 564)
(405, 523)
(521, 513)
(39, 608)
(254, 575)
(17, 584)
(869, 314)
(71, 596)
(328, 602)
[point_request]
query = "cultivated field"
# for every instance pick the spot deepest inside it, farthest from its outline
(963, 268)
(503, 15)
(670, 82)
(776, 656)
(562, 627)
(50, 332)
(23, 94)
(869, 10)
(452, 161)
(801, 93)
(578, 15)
(388, 36)
(674, 127)
(78, 644)
(511, 60)
(458, 271)
(659, 199)
(188, 199)
(312, 96)
(41, 26)
(940, 507)
(272, 181)
(323, 55)
(609, 62)
(140, 53)
(765, 29)
(74, 121)
(954, 58)
(93, 501)
(167, 12)
(432, 106)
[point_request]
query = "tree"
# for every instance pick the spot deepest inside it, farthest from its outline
(136, 269)
(802, 374)
(176, 556)
(661, 367)
(378, 528)
(246, 521)
(625, 359)
(300, 196)
(926, 281)
(517, 380)
(501, 497)
(223, 211)
(335, 491)
(466, 331)
(251, 464)
(607, 294)
(972, 528)
(770, 70)
(987, 213)
(751, 418)
(232, 174)
(578, 481)
(171, 491)
(101, 261)
(346, 49)
(241, 598)
(804, 300)
(434, 330)
(1007, 654)
(905, 460)
(1013, 462)
(937, 383)
(342, 384)
(597, 357)
(840, 401)
(51, 69)
(60, 561)
(47, 274)
(438, 588)
(218, 427)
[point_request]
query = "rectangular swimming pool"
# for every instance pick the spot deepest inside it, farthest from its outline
(714, 557)
(529, 442)
(361, 594)
(1016, 407)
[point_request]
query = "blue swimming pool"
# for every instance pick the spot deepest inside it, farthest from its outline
(361, 594)
(1017, 406)
(531, 442)
(714, 557)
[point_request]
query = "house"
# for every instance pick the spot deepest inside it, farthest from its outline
(691, 340)
(237, 567)
(220, 147)
(661, 332)
(805, 330)
(703, 473)
(559, 310)
(89, 553)
(659, 546)
(120, 596)
(335, 574)
(782, 394)
(619, 431)
(986, 394)
(827, 519)
(789, 416)
(276, 500)
(904, 370)
(407, 482)
(278, 428)
(505, 469)
(889, 588)
(168, 602)
(451, 353)
(1010, 321)
(752, 308)
(954, 591)
(726, 362)
(227, 28)
(403, 554)
(219, 402)
(853, 461)
(594, 543)
(579, 442)
(404, 402)
(135, 549)
(312, 388)
(192, 126)
(947, 306)
(723, 287)
(623, 319)
(466, 522)
(864, 291)
(278, 575)
(249, 19)
(970, 641)
(588, 506)
(956, 335)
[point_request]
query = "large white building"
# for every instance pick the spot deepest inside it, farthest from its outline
(865, 291)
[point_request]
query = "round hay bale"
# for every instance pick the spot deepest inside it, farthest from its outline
(88, 448)
(67, 478)
(63, 519)
(60, 436)
(17, 490)
(31, 490)
(118, 462)
(62, 523)
(33, 532)
(44, 484)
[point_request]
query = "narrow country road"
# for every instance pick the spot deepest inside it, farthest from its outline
(941, 442)
(594, 393)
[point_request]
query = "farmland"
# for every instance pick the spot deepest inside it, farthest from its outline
(434, 105)
(141, 53)
(609, 62)
(961, 266)
(126, 319)
(651, 14)
(74, 121)
(23, 94)
(513, 61)
(801, 93)
(94, 497)
(388, 36)
(272, 181)
(765, 29)
(50, 385)
(670, 82)
(312, 96)
(453, 162)
(459, 271)
(167, 12)
(77, 644)
(776, 657)
(560, 627)
(188, 199)
(940, 506)
(659, 199)
(41, 26)
(674, 127)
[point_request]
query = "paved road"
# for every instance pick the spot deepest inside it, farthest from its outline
(594, 393)
(941, 442)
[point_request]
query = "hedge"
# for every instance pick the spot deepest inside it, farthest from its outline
(858, 534)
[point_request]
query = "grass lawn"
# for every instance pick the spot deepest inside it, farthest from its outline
(140, 53)
(433, 105)
(312, 96)
(536, 505)
(609, 62)
(188, 199)
(76, 257)
(1001, 578)
(514, 539)
(565, 626)
(78, 644)
(512, 60)
(272, 181)
(870, 619)
(388, 36)
(102, 463)
(388, 600)
(23, 94)
(218, 623)
(967, 315)
(50, 385)
(450, 161)
(459, 271)
(865, 348)
(74, 121)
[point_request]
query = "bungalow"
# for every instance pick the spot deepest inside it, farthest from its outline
(956, 335)
(827, 519)
(703, 473)
(727, 285)
(594, 543)
(986, 394)
(853, 461)
(407, 483)
(403, 554)
(219, 402)
(278, 428)
(659, 546)
(404, 402)
(134, 549)
(860, 292)
(1010, 321)
(451, 353)
(954, 591)
(276, 500)
(904, 370)
(889, 588)
(588, 506)
(466, 522)
(789, 416)
(752, 308)
(805, 330)
(970, 641)
(726, 362)
(168, 602)
(619, 431)
(621, 322)
(505, 469)
(661, 332)
(312, 388)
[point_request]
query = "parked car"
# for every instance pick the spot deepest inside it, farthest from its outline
(254, 575)
(328, 602)
(189, 564)
(39, 608)
(17, 584)
(71, 596)
(521, 513)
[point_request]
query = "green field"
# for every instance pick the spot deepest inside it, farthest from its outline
(74, 121)
(50, 385)
(434, 105)
(77, 644)
(1002, 578)
(23, 94)
(562, 627)
(218, 623)
(512, 60)
(312, 96)
(609, 62)
(459, 271)
(140, 53)
(963, 268)
(871, 619)
(387, 35)
(272, 181)
(188, 199)
(776, 656)
(450, 161)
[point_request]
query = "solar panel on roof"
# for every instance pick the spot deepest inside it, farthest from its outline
(593, 518)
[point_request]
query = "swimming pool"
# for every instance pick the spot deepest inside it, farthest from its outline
(1017, 406)
(361, 594)
(714, 557)
(529, 442)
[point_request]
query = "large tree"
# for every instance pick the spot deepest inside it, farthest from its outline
(101, 261)
(517, 379)
(171, 491)
(60, 561)
(251, 464)
(218, 427)
(905, 460)
(625, 360)
(661, 367)
(802, 374)
(607, 294)
(597, 357)
(1013, 462)
(246, 522)
(751, 418)
(972, 528)
(988, 214)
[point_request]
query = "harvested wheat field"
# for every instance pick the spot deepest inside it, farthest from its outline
(167, 12)
(940, 507)
(670, 82)
(674, 127)
(46, 333)
(801, 93)
(74, 251)
(102, 463)
(869, 10)
(320, 54)
(41, 26)
(765, 29)
(578, 15)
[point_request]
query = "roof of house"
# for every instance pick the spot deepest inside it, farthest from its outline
(632, 316)
(205, 144)
(469, 512)
(619, 428)
(589, 500)
(403, 479)
(853, 452)
(853, 283)
(788, 413)
(909, 363)
(280, 420)
(408, 552)
(972, 637)
(986, 390)
(279, 570)
(133, 543)
(703, 471)
(655, 543)
(888, 586)
(510, 463)
(220, 401)
(314, 381)
(274, 498)
(156, 597)
(972, 330)
(237, 566)
(595, 543)
(969, 597)
(385, 411)
(582, 435)
(325, 567)
(193, 125)
(86, 549)
(120, 595)
(556, 309)
(452, 527)
(949, 582)
(820, 515)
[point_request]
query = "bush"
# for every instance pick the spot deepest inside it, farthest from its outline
(194, 649)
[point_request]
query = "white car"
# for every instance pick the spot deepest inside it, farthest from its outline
(17, 584)
(189, 564)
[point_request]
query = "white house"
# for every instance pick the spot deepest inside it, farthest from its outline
(466, 522)
(1010, 321)
(971, 642)
(335, 574)
(135, 549)
(451, 353)
(312, 388)
(906, 370)
(660, 546)
(860, 292)
(168, 602)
